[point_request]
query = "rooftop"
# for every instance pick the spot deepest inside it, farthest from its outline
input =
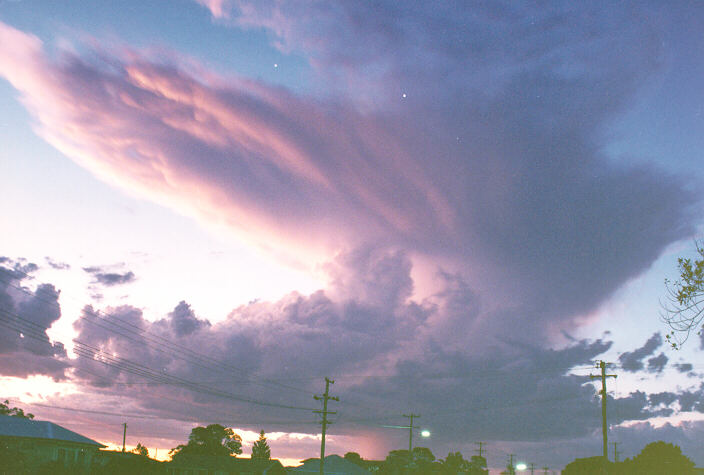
(22, 427)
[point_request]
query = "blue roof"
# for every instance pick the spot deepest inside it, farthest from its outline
(11, 426)
(334, 465)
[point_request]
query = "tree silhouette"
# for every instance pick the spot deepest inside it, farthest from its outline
(140, 450)
(212, 440)
(260, 449)
(684, 308)
(658, 458)
(477, 465)
(354, 458)
(6, 410)
(454, 463)
(587, 466)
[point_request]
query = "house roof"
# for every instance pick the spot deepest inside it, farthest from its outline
(334, 465)
(11, 426)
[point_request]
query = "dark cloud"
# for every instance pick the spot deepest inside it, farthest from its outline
(387, 353)
(687, 435)
(684, 367)
(109, 278)
(657, 364)
(632, 361)
(56, 265)
(183, 320)
(25, 347)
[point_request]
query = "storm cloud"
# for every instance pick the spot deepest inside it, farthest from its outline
(511, 165)
(632, 361)
(472, 139)
(25, 347)
(384, 351)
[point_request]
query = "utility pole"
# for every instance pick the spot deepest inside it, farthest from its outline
(511, 468)
(124, 435)
(481, 445)
(545, 470)
(411, 416)
(325, 422)
(532, 468)
(616, 451)
(602, 365)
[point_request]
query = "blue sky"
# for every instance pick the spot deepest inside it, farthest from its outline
(389, 196)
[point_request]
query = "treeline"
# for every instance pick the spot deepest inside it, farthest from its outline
(421, 461)
(657, 458)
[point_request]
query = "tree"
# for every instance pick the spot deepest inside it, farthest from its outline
(660, 457)
(396, 461)
(260, 449)
(354, 458)
(587, 466)
(6, 410)
(477, 465)
(212, 440)
(454, 463)
(684, 309)
(140, 450)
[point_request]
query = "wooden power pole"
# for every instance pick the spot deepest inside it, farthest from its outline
(602, 365)
(325, 397)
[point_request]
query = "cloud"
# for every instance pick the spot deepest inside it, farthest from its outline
(56, 265)
(632, 361)
(386, 352)
(218, 8)
(685, 435)
(183, 320)
(657, 363)
(25, 347)
(545, 221)
(110, 278)
(684, 367)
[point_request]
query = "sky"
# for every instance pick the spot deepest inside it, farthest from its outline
(450, 209)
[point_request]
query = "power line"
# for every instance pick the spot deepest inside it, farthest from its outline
(100, 356)
(127, 330)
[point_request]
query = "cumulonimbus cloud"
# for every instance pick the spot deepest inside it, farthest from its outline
(507, 186)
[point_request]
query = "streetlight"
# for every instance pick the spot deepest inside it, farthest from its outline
(521, 466)
(425, 433)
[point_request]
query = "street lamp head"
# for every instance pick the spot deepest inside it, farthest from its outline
(425, 433)
(521, 466)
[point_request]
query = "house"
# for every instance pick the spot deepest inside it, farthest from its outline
(222, 465)
(43, 442)
(334, 465)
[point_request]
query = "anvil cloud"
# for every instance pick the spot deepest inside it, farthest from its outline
(449, 168)
(505, 185)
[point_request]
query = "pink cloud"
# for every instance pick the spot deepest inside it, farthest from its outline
(508, 190)
(218, 8)
(273, 166)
